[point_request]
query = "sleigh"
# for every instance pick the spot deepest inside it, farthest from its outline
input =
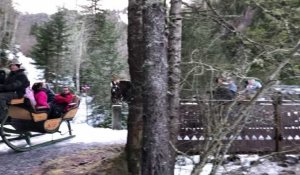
(24, 122)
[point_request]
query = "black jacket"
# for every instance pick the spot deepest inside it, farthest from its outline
(17, 82)
(2, 76)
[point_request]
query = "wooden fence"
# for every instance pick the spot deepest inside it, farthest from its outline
(269, 128)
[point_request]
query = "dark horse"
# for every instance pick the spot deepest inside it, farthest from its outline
(121, 92)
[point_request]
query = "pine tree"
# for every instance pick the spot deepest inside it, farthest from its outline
(235, 38)
(61, 58)
(51, 50)
(103, 59)
(42, 52)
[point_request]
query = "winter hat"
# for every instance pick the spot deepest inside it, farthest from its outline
(15, 62)
(114, 77)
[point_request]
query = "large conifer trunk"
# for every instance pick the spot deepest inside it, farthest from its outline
(156, 152)
(174, 60)
(135, 61)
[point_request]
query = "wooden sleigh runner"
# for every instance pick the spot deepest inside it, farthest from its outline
(24, 122)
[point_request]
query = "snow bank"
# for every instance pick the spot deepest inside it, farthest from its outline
(32, 72)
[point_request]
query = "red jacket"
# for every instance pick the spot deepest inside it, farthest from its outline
(41, 99)
(63, 99)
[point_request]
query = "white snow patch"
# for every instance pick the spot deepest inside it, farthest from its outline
(33, 74)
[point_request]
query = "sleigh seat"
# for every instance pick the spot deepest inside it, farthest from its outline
(24, 122)
(25, 117)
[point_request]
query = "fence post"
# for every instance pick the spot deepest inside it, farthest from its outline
(277, 120)
(116, 117)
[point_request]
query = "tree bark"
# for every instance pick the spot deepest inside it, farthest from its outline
(13, 33)
(156, 150)
(174, 59)
(7, 22)
(135, 61)
(81, 51)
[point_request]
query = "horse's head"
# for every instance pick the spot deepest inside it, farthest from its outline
(120, 91)
(116, 94)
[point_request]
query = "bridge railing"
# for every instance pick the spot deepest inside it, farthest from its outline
(270, 126)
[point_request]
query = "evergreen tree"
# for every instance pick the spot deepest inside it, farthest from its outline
(51, 50)
(42, 52)
(276, 26)
(61, 51)
(237, 39)
(103, 58)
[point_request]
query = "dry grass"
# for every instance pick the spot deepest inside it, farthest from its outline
(104, 160)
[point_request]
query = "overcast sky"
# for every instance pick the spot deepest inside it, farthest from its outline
(50, 6)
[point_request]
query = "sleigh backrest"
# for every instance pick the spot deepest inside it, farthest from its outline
(23, 109)
(72, 108)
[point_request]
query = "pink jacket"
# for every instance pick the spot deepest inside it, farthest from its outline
(41, 99)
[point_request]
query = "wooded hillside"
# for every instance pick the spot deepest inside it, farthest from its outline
(23, 34)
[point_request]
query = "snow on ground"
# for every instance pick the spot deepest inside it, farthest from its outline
(87, 134)
(246, 165)
(83, 111)
(33, 74)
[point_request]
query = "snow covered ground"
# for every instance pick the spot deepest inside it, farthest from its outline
(87, 134)
(245, 165)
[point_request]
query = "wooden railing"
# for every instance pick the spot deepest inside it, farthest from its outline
(271, 126)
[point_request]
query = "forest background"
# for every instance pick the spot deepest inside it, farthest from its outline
(86, 47)
(240, 39)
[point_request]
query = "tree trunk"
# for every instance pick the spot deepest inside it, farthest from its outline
(135, 61)
(156, 150)
(7, 22)
(81, 50)
(174, 59)
(12, 42)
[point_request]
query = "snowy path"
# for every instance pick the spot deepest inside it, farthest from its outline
(86, 137)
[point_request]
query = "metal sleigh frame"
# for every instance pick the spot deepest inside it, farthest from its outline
(23, 122)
